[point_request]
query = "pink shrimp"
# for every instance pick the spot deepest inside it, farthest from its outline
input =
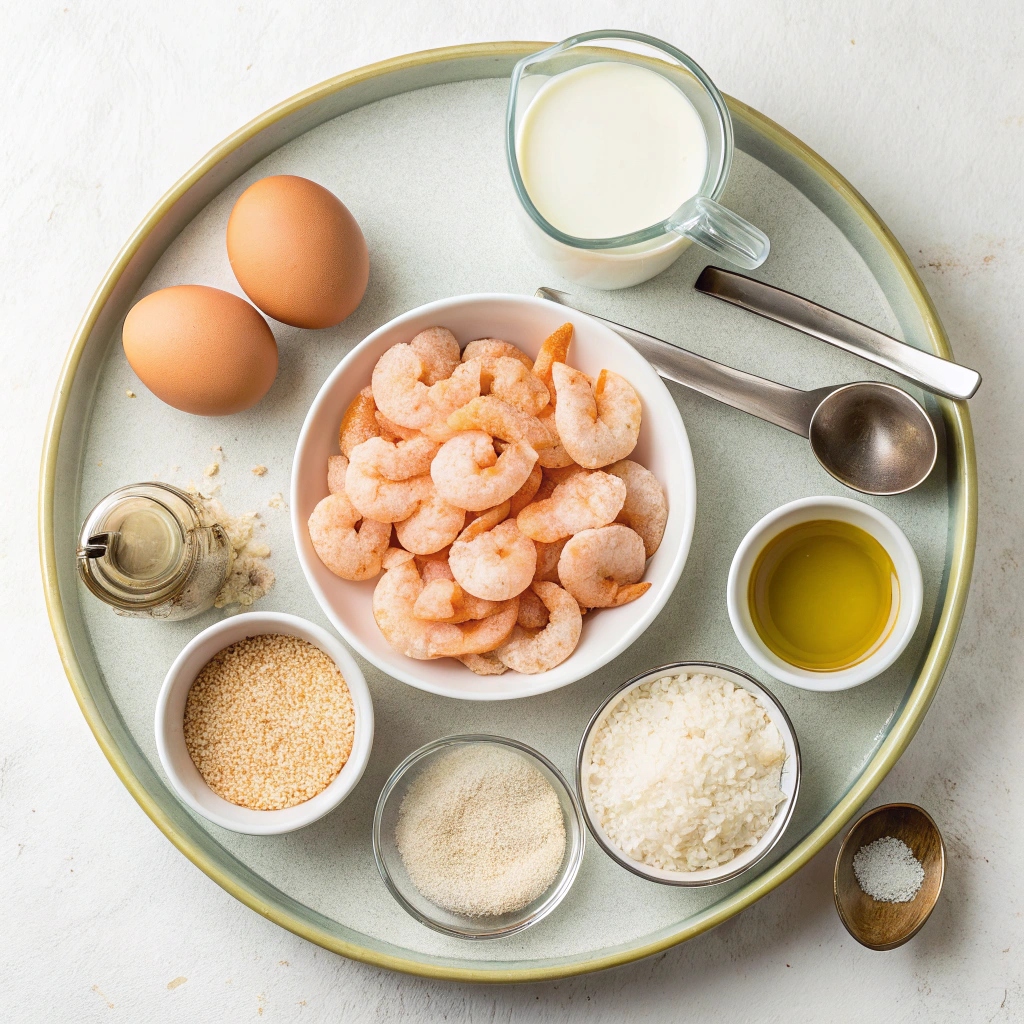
(601, 568)
(597, 425)
(349, 545)
(584, 502)
(394, 599)
(468, 473)
(542, 651)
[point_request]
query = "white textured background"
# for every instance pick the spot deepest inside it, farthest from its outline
(104, 105)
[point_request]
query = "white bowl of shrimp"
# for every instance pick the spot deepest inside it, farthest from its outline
(521, 549)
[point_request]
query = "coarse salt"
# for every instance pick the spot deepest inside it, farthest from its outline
(684, 772)
(888, 871)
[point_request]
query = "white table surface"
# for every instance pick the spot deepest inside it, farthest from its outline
(919, 104)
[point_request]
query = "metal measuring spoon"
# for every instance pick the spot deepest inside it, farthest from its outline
(872, 437)
(942, 376)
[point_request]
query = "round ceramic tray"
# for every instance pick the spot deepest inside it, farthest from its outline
(414, 147)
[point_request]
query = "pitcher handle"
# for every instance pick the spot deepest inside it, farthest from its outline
(725, 233)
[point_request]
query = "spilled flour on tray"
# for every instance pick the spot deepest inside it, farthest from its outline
(251, 577)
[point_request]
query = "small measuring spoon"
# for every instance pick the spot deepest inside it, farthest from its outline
(872, 437)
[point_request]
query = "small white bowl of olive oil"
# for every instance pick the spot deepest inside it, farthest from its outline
(825, 593)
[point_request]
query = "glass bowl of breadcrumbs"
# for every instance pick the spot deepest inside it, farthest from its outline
(264, 723)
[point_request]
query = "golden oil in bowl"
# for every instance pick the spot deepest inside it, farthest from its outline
(824, 595)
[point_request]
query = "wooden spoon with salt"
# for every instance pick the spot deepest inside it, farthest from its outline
(879, 925)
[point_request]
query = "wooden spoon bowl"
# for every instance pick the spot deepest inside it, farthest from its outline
(880, 925)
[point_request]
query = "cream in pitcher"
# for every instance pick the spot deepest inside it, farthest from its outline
(619, 157)
(610, 148)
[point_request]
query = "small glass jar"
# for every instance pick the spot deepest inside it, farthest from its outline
(150, 551)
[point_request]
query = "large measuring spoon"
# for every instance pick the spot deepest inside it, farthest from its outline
(872, 437)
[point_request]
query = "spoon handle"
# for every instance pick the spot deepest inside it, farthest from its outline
(784, 406)
(940, 376)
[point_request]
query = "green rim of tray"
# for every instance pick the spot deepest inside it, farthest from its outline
(963, 513)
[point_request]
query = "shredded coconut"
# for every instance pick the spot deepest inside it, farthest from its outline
(684, 772)
(888, 871)
(481, 832)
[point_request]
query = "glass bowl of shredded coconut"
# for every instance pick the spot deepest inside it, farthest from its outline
(689, 774)
(478, 836)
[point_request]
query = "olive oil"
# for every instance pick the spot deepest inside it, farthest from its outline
(824, 595)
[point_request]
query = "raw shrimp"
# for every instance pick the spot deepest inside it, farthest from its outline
(401, 395)
(337, 467)
(391, 431)
(496, 565)
(554, 349)
(382, 480)
(483, 664)
(546, 489)
(547, 560)
(491, 348)
(434, 566)
(645, 509)
(584, 502)
(488, 519)
(554, 643)
(396, 460)
(359, 422)
(395, 557)
(600, 568)
(386, 501)
(532, 612)
(468, 474)
(439, 350)
(434, 525)
(350, 549)
(510, 380)
(560, 474)
(554, 456)
(526, 493)
(445, 601)
(393, 601)
(448, 395)
(598, 425)
(501, 419)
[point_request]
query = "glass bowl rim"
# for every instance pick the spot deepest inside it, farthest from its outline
(576, 840)
(635, 866)
(653, 231)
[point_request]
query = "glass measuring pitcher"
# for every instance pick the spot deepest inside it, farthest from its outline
(629, 258)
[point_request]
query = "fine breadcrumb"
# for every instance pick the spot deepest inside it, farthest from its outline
(259, 470)
(481, 832)
(277, 500)
(212, 469)
(269, 722)
(130, 394)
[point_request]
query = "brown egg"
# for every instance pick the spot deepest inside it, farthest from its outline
(297, 251)
(200, 349)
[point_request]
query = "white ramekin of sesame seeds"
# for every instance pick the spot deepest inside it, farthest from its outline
(264, 723)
